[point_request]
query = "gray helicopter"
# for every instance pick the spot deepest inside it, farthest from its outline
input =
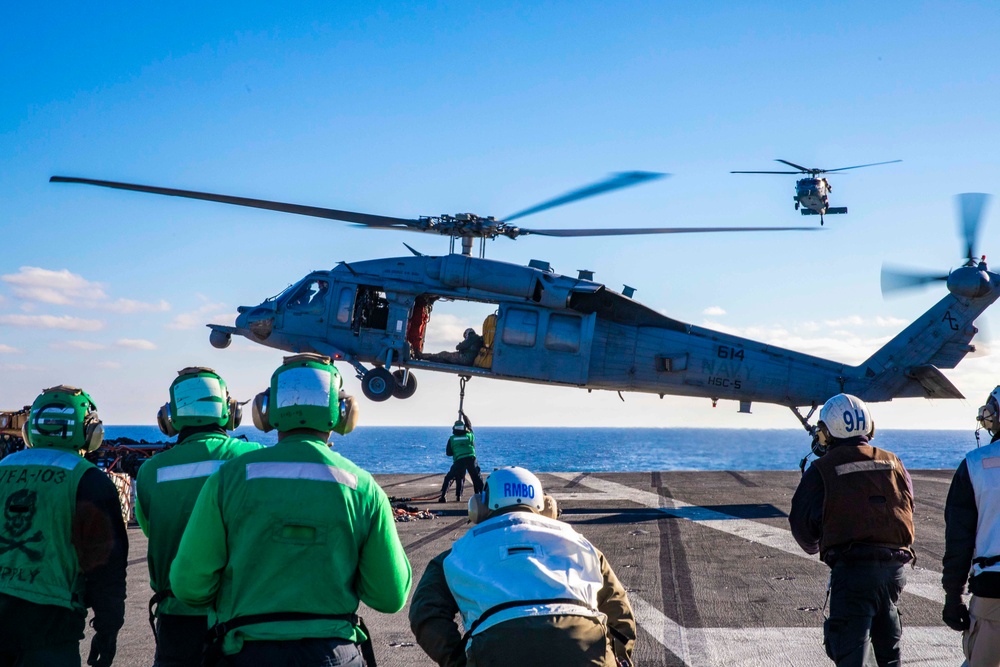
(812, 193)
(554, 329)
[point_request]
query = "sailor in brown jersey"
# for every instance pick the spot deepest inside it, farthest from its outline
(854, 506)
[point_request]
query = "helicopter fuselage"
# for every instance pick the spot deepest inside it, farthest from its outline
(554, 329)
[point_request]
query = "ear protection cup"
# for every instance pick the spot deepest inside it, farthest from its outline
(478, 510)
(348, 414)
(93, 431)
(821, 439)
(550, 508)
(988, 415)
(164, 421)
(235, 414)
(260, 409)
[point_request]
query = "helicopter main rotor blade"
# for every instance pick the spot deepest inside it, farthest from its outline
(894, 280)
(615, 182)
(858, 166)
(764, 172)
(804, 170)
(970, 212)
(626, 231)
(366, 219)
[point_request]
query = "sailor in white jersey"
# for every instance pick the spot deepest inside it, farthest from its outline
(972, 545)
(529, 588)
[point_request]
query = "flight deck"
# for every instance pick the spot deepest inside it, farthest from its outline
(713, 573)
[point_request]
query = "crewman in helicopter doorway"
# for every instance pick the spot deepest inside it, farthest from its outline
(462, 449)
(530, 589)
(854, 505)
(972, 545)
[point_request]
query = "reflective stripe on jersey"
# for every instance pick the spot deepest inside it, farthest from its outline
(317, 472)
(187, 471)
(42, 457)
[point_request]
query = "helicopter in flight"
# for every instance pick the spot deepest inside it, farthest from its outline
(812, 192)
(554, 329)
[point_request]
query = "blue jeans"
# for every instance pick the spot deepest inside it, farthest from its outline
(864, 628)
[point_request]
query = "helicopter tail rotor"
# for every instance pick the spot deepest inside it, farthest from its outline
(969, 280)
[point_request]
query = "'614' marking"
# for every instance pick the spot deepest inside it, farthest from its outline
(726, 352)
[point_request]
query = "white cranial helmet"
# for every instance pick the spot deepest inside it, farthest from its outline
(846, 416)
(989, 414)
(510, 486)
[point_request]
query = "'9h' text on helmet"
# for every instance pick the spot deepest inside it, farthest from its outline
(507, 487)
(198, 397)
(845, 416)
(306, 392)
(65, 418)
(989, 414)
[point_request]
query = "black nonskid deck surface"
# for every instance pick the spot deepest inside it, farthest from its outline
(713, 573)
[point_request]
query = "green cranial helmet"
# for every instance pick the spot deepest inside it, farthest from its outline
(66, 418)
(305, 393)
(198, 397)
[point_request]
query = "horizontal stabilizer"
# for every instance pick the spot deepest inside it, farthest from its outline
(934, 382)
(829, 211)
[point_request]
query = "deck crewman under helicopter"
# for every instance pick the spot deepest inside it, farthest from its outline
(530, 589)
(286, 541)
(972, 545)
(854, 505)
(63, 545)
(200, 412)
(462, 448)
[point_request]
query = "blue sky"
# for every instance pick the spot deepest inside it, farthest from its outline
(425, 108)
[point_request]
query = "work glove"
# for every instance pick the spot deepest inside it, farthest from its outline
(955, 614)
(103, 648)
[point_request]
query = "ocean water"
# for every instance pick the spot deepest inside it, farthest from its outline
(403, 449)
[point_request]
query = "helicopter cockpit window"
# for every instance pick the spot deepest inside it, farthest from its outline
(371, 309)
(344, 303)
(520, 327)
(310, 297)
(563, 334)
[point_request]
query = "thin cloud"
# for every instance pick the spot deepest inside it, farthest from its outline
(108, 364)
(7, 349)
(136, 344)
(78, 345)
(198, 318)
(64, 288)
(713, 311)
(66, 322)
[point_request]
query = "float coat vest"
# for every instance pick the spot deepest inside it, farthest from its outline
(984, 471)
(38, 561)
(462, 446)
(867, 499)
(297, 518)
(523, 556)
(167, 486)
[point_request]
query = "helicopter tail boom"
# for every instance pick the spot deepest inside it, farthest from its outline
(909, 364)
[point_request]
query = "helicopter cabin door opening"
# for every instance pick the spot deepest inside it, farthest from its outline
(446, 330)
(304, 309)
(543, 344)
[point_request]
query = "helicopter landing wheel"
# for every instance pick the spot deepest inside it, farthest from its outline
(796, 206)
(400, 390)
(377, 384)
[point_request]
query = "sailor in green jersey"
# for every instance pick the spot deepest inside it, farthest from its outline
(200, 412)
(462, 449)
(284, 542)
(63, 545)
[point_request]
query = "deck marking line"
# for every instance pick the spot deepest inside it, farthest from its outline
(920, 582)
(793, 646)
